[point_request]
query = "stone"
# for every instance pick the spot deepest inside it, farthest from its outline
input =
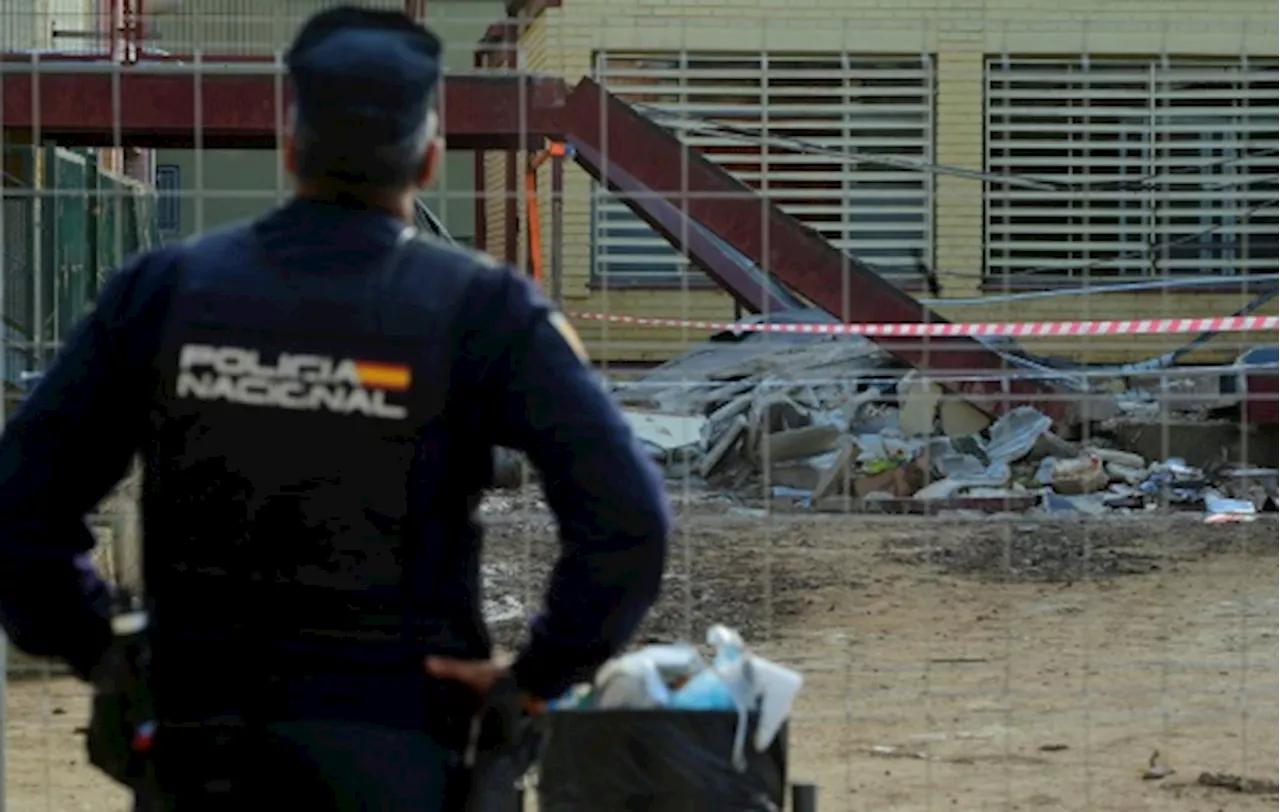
(917, 404)
(959, 418)
(798, 443)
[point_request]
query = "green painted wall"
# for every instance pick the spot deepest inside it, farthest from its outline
(221, 186)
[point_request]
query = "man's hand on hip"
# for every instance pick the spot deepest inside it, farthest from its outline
(478, 675)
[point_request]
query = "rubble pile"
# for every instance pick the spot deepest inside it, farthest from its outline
(837, 425)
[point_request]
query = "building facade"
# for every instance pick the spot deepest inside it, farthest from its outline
(202, 189)
(1019, 146)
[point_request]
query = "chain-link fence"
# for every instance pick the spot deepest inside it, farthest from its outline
(951, 324)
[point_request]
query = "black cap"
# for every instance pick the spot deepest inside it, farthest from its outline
(364, 76)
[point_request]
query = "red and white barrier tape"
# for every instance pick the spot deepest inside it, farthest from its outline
(1030, 329)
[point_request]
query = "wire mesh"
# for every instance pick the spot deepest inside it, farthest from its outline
(991, 609)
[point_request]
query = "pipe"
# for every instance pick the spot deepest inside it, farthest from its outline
(804, 798)
(533, 222)
(557, 229)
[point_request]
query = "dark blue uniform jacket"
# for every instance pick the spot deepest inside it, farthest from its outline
(301, 536)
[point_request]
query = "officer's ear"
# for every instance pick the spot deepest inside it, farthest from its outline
(430, 163)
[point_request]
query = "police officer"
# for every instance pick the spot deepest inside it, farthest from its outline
(315, 397)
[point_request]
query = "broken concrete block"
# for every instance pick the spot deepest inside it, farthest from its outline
(797, 443)
(735, 406)
(1051, 445)
(959, 418)
(1126, 459)
(719, 421)
(801, 474)
(1079, 476)
(667, 432)
(1125, 473)
(917, 404)
(837, 479)
(731, 437)
(773, 413)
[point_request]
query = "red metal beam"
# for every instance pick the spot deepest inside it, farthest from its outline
(794, 253)
(239, 107)
(750, 288)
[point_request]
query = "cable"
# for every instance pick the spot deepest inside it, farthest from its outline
(1093, 290)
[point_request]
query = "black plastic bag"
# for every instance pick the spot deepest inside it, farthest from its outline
(656, 761)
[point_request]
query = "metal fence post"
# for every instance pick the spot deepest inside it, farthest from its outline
(804, 798)
(4, 723)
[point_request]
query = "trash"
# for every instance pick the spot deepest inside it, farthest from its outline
(1015, 434)
(628, 741)
(666, 433)
(1122, 458)
(676, 677)
(1221, 510)
(1092, 504)
(835, 423)
(655, 760)
(632, 681)
(1155, 770)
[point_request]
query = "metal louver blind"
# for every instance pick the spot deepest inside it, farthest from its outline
(1149, 167)
(802, 126)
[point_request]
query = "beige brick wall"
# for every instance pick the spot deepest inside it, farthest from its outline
(562, 41)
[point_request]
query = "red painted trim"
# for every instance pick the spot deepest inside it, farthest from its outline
(158, 110)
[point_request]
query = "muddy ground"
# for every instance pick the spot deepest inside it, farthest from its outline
(1004, 663)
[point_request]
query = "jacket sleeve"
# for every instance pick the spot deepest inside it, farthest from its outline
(607, 496)
(60, 454)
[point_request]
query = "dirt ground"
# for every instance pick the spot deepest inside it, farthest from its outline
(1000, 663)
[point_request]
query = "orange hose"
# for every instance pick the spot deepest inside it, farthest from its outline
(535, 224)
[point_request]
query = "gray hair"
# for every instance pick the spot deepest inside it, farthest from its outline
(394, 165)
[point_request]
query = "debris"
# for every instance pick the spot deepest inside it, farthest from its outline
(1015, 434)
(838, 476)
(960, 418)
(1221, 510)
(1124, 459)
(793, 444)
(1079, 476)
(820, 420)
(1155, 770)
(1053, 748)
(1236, 783)
(667, 433)
(917, 404)
(893, 751)
(725, 444)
